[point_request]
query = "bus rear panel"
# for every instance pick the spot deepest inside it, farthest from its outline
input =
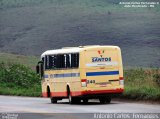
(102, 72)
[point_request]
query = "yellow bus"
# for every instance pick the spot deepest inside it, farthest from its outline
(81, 73)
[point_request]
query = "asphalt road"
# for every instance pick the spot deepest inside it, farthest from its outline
(41, 107)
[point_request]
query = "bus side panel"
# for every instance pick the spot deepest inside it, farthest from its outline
(58, 80)
(74, 83)
(53, 82)
(44, 88)
(58, 83)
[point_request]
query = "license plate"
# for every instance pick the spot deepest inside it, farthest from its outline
(103, 85)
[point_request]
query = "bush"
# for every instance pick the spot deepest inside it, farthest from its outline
(17, 79)
(156, 77)
(142, 84)
(17, 75)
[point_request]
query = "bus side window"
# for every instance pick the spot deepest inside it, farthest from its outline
(62, 61)
(67, 61)
(43, 62)
(42, 67)
(52, 62)
(56, 61)
(72, 60)
(46, 62)
(59, 61)
(75, 60)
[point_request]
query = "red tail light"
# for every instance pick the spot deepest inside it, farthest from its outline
(84, 82)
(121, 78)
(121, 82)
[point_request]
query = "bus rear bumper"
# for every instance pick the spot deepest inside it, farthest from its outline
(98, 93)
(102, 92)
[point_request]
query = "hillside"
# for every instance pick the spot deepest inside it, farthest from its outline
(29, 61)
(30, 27)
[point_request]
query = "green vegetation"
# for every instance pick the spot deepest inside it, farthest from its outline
(29, 61)
(142, 84)
(17, 79)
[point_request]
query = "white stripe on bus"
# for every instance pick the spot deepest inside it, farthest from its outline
(102, 64)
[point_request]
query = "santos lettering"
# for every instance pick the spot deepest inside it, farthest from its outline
(99, 59)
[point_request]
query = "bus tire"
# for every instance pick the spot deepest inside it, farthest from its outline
(108, 100)
(77, 100)
(53, 100)
(85, 101)
(104, 100)
(72, 100)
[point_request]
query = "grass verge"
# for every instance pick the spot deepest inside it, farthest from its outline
(17, 79)
(29, 61)
(142, 84)
(30, 91)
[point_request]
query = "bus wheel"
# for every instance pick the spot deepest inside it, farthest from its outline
(53, 100)
(108, 100)
(78, 100)
(85, 101)
(104, 100)
(72, 100)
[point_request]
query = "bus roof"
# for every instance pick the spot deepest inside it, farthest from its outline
(73, 49)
